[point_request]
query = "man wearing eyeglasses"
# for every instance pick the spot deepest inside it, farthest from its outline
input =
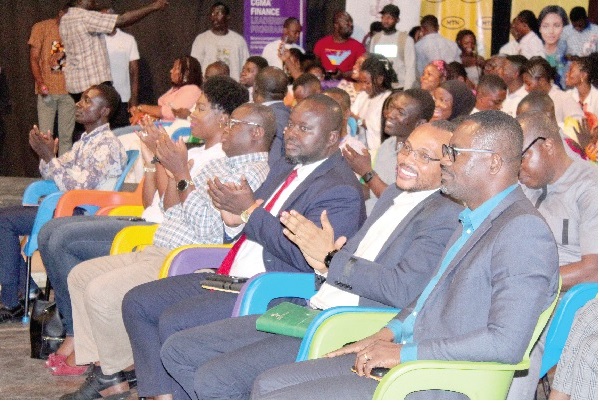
(498, 273)
(387, 263)
(565, 192)
(316, 178)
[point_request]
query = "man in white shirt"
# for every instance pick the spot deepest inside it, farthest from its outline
(392, 255)
(123, 57)
(289, 38)
(221, 43)
(491, 93)
(523, 28)
(433, 46)
(397, 46)
(511, 72)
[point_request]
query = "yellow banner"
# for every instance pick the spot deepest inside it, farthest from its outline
(455, 15)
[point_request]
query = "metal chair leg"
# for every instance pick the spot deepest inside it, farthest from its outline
(26, 316)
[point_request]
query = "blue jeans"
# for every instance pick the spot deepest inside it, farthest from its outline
(67, 241)
(15, 221)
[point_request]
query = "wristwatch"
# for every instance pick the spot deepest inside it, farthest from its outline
(245, 216)
(368, 176)
(183, 184)
(328, 257)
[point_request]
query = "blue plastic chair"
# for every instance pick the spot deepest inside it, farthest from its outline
(261, 289)
(561, 323)
(46, 207)
(181, 132)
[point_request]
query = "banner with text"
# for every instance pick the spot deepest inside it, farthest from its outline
(263, 21)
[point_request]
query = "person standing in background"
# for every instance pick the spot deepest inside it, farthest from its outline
(289, 38)
(47, 59)
(123, 57)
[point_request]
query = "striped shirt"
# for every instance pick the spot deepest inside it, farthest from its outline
(197, 220)
(94, 162)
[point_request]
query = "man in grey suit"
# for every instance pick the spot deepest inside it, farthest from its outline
(270, 87)
(387, 263)
(497, 275)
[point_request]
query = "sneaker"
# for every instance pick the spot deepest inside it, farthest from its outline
(64, 369)
(11, 314)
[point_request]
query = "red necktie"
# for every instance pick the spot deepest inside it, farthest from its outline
(225, 267)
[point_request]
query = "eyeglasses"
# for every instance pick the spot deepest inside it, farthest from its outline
(230, 123)
(453, 152)
(531, 145)
(420, 155)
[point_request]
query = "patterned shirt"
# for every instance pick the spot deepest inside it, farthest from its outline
(197, 220)
(581, 43)
(46, 40)
(94, 162)
(87, 57)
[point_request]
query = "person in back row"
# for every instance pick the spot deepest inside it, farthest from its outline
(94, 162)
(387, 263)
(318, 178)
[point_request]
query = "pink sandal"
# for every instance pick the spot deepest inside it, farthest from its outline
(64, 369)
(54, 360)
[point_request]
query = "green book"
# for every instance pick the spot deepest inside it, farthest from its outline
(287, 319)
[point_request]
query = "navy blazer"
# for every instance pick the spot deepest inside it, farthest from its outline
(408, 258)
(332, 186)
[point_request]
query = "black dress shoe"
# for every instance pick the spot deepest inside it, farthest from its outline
(131, 378)
(11, 314)
(95, 383)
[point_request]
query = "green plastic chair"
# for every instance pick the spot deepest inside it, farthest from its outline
(477, 380)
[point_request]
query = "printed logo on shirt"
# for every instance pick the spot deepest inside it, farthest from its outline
(337, 57)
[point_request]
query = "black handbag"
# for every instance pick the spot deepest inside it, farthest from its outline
(46, 331)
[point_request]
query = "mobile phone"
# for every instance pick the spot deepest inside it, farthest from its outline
(230, 279)
(131, 219)
(376, 373)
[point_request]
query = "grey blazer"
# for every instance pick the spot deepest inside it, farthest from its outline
(487, 303)
(407, 260)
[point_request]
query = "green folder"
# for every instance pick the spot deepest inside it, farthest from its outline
(287, 319)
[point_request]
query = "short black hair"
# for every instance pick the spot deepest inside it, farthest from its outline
(376, 26)
(413, 31)
(271, 83)
(529, 18)
(519, 61)
(455, 70)
(221, 4)
(224, 93)
(430, 21)
(462, 33)
(306, 79)
(425, 102)
(259, 61)
(289, 21)
(111, 97)
(343, 95)
(491, 83)
(577, 13)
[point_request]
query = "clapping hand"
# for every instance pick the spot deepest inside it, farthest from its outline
(43, 144)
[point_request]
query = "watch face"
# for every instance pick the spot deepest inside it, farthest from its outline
(182, 185)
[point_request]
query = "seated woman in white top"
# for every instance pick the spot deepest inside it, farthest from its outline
(582, 77)
(376, 76)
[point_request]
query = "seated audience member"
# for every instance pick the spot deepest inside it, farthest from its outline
(469, 57)
(494, 64)
(412, 223)
(94, 162)
(524, 28)
(352, 84)
(582, 77)
(304, 86)
(511, 71)
(217, 68)
(456, 71)
(270, 87)
(347, 135)
(293, 59)
(576, 376)
(97, 286)
(338, 52)
(416, 33)
(538, 101)
(376, 76)
(289, 38)
(434, 74)
(323, 182)
(539, 75)
(463, 314)
(433, 46)
(491, 93)
(66, 242)
(406, 111)
(253, 65)
(315, 69)
(581, 36)
(186, 80)
(452, 99)
(565, 192)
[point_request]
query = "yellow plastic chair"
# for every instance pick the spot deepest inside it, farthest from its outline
(126, 211)
(477, 380)
(134, 238)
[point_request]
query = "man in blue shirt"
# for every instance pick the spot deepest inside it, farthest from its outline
(498, 274)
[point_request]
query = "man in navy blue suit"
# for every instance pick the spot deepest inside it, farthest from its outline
(316, 179)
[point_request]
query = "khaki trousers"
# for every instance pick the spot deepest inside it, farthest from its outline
(97, 288)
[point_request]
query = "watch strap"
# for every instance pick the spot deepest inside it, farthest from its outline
(368, 176)
(328, 257)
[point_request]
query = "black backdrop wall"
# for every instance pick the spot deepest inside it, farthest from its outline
(161, 37)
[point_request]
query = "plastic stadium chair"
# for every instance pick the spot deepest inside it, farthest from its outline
(181, 132)
(46, 210)
(133, 238)
(477, 380)
(560, 326)
(124, 211)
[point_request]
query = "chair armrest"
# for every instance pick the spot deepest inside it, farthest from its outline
(100, 198)
(123, 211)
(37, 190)
(44, 214)
(477, 380)
(130, 238)
(189, 258)
(263, 288)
